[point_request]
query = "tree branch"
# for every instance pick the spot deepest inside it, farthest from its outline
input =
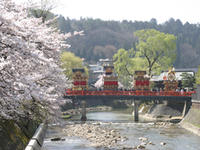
(128, 71)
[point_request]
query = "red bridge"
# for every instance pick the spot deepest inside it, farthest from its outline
(108, 95)
(141, 91)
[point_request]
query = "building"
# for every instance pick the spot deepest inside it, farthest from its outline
(97, 70)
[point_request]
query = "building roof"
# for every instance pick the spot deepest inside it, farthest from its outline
(186, 70)
(95, 68)
(78, 69)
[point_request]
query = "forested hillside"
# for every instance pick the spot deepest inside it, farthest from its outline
(103, 38)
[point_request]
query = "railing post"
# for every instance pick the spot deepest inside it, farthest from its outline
(83, 111)
(136, 115)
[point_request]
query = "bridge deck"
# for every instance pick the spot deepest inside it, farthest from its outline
(129, 95)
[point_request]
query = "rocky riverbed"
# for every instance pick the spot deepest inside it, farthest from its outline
(115, 131)
(105, 137)
(99, 136)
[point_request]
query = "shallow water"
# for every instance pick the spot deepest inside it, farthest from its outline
(175, 137)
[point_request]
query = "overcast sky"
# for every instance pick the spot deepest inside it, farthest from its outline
(140, 10)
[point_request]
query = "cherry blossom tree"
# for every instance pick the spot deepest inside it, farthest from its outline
(29, 62)
(41, 8)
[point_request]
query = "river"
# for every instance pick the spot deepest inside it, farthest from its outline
(174, 137)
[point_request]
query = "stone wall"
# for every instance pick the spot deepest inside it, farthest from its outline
(15, 135)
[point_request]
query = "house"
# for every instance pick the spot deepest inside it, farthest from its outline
(95, 71)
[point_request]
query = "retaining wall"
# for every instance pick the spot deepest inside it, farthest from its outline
(191, 121)
(37, 140)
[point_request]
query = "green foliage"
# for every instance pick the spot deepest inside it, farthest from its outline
(125, 63)
(198, 77)
(188, 80)
(139, 63)
(46, 16)
(99, 33)
(155, 52)
(157, 48)
(39, 13)
(42, 8)
(70, 61)
(122, 64)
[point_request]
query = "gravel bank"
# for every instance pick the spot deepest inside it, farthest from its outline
(98, 135)
(105, 137)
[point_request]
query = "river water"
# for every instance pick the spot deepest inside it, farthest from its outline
(175, 137)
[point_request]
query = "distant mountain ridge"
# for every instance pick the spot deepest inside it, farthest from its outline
(103, 38)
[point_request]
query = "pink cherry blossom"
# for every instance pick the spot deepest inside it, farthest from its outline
(29, 60)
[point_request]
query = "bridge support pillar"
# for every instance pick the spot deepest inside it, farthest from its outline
(83, 111)
(184, 109)
(136, 115)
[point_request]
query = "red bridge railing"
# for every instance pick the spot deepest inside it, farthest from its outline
(131, 93)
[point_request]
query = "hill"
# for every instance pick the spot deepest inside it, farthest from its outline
(103, 38)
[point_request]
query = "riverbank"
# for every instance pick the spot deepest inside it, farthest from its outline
(191, 121)
(164, 113)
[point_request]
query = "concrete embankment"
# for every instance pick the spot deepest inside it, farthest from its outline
(165, 111)
(191, 121)
(37, 140)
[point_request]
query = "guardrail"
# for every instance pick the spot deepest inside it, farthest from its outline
(37, 140)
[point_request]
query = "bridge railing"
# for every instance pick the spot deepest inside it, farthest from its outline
(131, 93)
